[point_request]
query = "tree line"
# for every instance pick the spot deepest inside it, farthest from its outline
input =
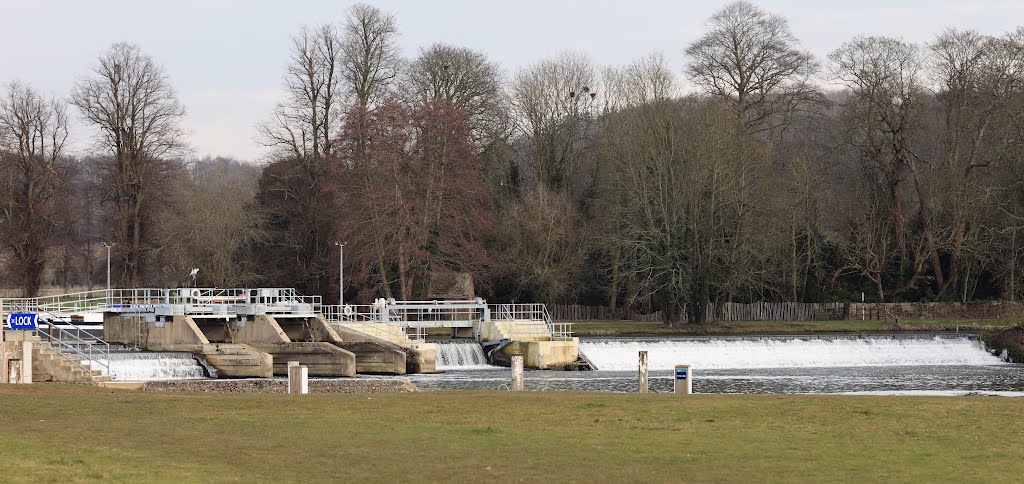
(888, 168)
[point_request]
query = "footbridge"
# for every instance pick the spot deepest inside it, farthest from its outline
(255, 331)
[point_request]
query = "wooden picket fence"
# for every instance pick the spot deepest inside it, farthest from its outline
(760, 311)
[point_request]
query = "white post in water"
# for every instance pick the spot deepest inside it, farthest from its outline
(298, 378)
(683, 380)
(643, 372)
(517, 373)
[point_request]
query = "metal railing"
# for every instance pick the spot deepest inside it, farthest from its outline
(350, 313)
(366, 314)
(434, 313)
(404, 319)
(281, 296)
(76, 345)
(77, 350)
(126, 300)
(560, 331)
(557, 331)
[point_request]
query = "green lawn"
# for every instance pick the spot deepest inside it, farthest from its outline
(64, 433)
(611, 328)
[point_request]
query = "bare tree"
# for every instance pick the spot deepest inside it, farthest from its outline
(128, 98)
(553, 103)
(882, 115)
(369, 55)
(684, 185)
(542, 246)
(750, 59)
(416, 196)
(978, 79)
(462, 78)
(214, 224)
(33, 130)
(292, 187)
(302, 126)
(647, 80)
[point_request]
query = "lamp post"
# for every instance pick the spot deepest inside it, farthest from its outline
(341, 273)
(108, 246)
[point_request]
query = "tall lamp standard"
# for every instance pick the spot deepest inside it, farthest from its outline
(341, 273)
(108, 246)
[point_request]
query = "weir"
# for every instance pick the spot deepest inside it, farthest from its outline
(145, 366)
(461, 355)
(250, 332)
(790, 352)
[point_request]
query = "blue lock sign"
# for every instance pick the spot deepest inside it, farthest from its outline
(680, 373)
(22, 320)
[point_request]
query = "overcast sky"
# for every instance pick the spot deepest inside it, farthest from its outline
(226, 58)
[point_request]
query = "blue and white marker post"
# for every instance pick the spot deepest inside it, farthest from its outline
(683, 380)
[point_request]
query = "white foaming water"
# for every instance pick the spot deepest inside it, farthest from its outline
(784, 352)
(155, 366)
(461, 355)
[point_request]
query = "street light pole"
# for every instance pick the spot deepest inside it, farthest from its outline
(341, 273)
(108, 246)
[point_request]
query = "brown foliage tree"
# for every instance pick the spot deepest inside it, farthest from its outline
(416, 207)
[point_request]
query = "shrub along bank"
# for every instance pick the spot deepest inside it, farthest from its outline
(1010, 340)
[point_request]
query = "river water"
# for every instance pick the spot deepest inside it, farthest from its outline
(877, 364)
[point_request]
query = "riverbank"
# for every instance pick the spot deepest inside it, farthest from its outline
(72, 433)
(263, 385)
(629, 328)
(1006, 340)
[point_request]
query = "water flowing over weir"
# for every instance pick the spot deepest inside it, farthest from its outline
(460, 355)
(144, 366)
(789, 352)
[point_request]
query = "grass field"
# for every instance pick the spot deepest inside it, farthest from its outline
(610, 328)
(64, 433)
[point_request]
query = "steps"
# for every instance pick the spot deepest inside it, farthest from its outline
(49, 365)
(523, 330)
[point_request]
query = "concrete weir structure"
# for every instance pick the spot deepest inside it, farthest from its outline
(276, 322)
(503, 329)
(255, 332)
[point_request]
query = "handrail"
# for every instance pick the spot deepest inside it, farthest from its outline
(64, 347)
(353, 314)
(398, 315)
(533, 312)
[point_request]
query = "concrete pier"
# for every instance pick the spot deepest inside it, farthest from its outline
(182, 333)
(322, 359)
(419, 357)
(531, 339)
